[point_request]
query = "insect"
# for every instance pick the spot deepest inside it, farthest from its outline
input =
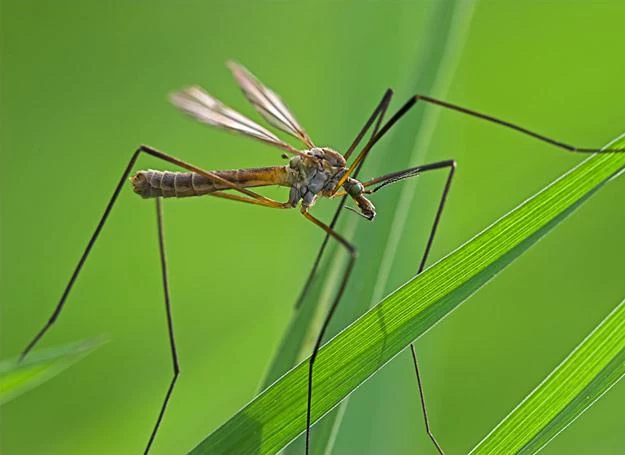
(312, 173)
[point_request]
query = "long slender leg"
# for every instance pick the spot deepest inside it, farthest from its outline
(369, 145)
(253, 198)
(348, 270)
(505, 123)
(378, 113)
(414, 99)
(170, 324)
(396, 177)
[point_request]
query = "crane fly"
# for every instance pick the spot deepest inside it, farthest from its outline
(312, 173)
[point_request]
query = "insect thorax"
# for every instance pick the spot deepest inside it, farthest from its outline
(316, 173)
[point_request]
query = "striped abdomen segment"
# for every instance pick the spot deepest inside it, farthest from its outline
(151, 183)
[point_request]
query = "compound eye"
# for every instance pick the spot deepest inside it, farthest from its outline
(355, 189)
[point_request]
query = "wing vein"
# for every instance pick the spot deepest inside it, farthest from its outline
(209, 110)
(268, 104)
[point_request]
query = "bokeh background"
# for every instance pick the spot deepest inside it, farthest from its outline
(84, 82)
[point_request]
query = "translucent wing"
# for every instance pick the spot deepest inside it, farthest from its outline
(199, 104)
(268, 104)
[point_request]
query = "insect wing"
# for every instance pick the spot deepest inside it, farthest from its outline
(207, 109)
(268, 104)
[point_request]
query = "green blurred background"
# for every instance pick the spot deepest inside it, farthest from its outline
(84, 82)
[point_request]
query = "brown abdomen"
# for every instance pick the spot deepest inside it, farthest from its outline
(151, 183)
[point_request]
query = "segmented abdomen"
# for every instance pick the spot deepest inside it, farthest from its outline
(153, 183)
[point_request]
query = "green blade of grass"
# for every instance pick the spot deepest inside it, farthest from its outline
(18, 377)
(278, 414)
(596, 365)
